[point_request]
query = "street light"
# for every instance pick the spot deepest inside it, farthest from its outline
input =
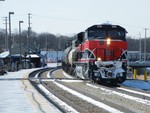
(20, 38)
(145, 44)
(10, 41)
(140, 49)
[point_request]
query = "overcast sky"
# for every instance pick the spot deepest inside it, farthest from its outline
(72, 16)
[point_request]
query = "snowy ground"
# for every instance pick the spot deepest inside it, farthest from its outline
(138, 84)
(12, 98)
(12, 93)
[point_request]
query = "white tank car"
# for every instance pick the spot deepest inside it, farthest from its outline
(72, 56)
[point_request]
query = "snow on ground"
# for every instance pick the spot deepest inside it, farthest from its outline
(12, 98)
(146, 102)
(138, 84)
(88, 99)
(12, 94)
(68, 108)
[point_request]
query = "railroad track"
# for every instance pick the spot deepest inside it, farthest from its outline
(69, 94)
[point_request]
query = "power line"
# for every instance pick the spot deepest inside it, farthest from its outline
(133, 26)
(63, 19)
(82, 20)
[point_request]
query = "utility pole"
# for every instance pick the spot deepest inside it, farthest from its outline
(29, 29)
(6, 34)
(6, 38)
(140, 45)
(57, 50)
(145, 44)
(20, 36)
(46, 48)
(10, 39)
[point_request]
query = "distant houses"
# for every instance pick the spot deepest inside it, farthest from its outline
(25, 57)
(21, 57)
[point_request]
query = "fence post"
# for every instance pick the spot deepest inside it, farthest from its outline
(135, 73)
(145, 75)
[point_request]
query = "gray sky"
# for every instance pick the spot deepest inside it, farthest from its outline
(72, 16)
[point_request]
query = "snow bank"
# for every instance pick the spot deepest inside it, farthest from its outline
(139, 84)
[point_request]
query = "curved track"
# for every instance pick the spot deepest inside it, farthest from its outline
(69, 94)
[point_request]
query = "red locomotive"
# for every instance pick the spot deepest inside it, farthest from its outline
(99, 54)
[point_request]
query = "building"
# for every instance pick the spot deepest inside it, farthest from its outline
(52, 56)
(23, 57)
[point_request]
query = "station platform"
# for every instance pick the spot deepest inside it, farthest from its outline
(19, 96)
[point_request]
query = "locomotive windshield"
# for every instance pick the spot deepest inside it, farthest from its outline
(103, 31)
(97, 33)
(102, 34)
(116, 34)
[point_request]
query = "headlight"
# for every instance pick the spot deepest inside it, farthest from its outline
(108, 41)
(99, 59)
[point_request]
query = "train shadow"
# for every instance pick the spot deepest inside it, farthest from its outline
(111, 85)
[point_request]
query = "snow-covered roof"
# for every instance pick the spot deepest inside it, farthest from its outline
(32, 56)
(4, 54)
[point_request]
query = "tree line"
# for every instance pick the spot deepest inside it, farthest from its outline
(48, 41)
(134, 44)
(42, 41)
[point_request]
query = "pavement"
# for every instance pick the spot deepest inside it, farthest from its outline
(12, 97)
(19, 96)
